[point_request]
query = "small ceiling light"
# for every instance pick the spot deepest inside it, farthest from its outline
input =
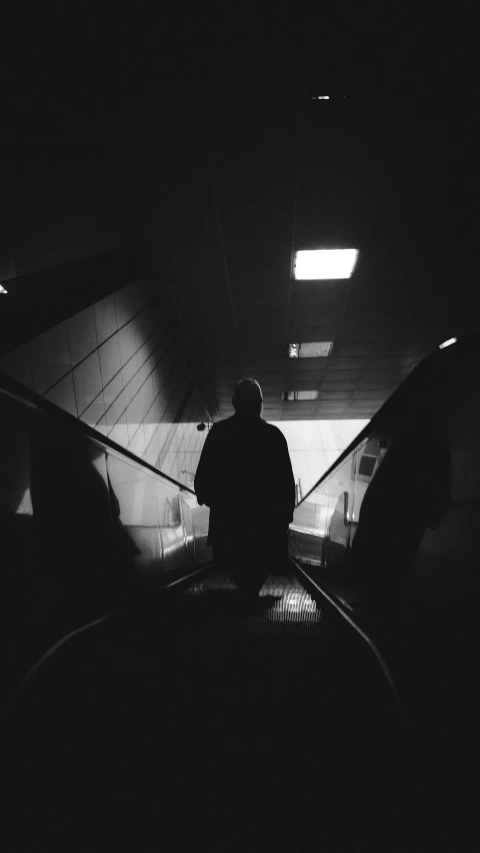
(300, 395)
(323, 97)
(319, 264)
(2, 289)
(448, 343)
(313, 349)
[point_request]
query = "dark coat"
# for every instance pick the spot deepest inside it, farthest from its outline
(245, 477)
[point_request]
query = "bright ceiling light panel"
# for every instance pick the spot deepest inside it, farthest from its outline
(301, 395)
(2, 289)
(313, 349)
(448, 343)
(316, 264)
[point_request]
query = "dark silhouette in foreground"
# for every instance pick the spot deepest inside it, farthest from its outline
(245, 477)
(87, 553)
(409, 493)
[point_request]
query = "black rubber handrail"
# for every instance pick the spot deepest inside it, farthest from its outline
(340, 608)
(30, 398)
(411, 384)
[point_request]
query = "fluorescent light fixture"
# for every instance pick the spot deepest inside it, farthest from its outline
(313, 349)
(325, 263)
(2, 289)
(300, 395)
(323, 97)
(447, 343)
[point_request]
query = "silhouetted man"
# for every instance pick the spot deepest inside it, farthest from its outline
(245, 477)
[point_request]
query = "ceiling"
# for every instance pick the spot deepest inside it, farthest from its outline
(233, 164)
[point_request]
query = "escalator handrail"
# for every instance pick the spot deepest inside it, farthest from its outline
(395, 402)
(12, 388)
(371, 427)
(334, 602)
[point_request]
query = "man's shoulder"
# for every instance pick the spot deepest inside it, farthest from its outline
(273, 432)
(222, 428)
(224, 424)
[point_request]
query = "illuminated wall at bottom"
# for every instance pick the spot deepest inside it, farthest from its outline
(315, 445)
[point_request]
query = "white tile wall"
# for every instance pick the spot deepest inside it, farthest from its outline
(94, 413)
(146, 391)
(101, 426)
(151, 439)
(63, 395)
(126, 339)
(88, 382)
(82, 334)
(115, 403)
(130, 300)
(129, 372)
(150, 457)
(50, 358)
(162, 433)
(134, 417)
(109, 353)
(105, 318)
(144, 368)
(125, 382)
(119, 434)
(137, 445)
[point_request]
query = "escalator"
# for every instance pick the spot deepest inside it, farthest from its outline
(338, 711)
(141, 693)
(197, 720)
(86, 527)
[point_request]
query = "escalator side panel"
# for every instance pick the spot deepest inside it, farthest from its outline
(81, 526)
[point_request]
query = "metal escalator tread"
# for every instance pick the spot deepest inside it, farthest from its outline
(283, 607)
(224, 704)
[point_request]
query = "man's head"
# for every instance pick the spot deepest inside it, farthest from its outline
(247, 397)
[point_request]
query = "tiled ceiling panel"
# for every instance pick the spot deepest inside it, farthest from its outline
(308, 314)
(352, 172)
(321, 292)
(232, 165)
